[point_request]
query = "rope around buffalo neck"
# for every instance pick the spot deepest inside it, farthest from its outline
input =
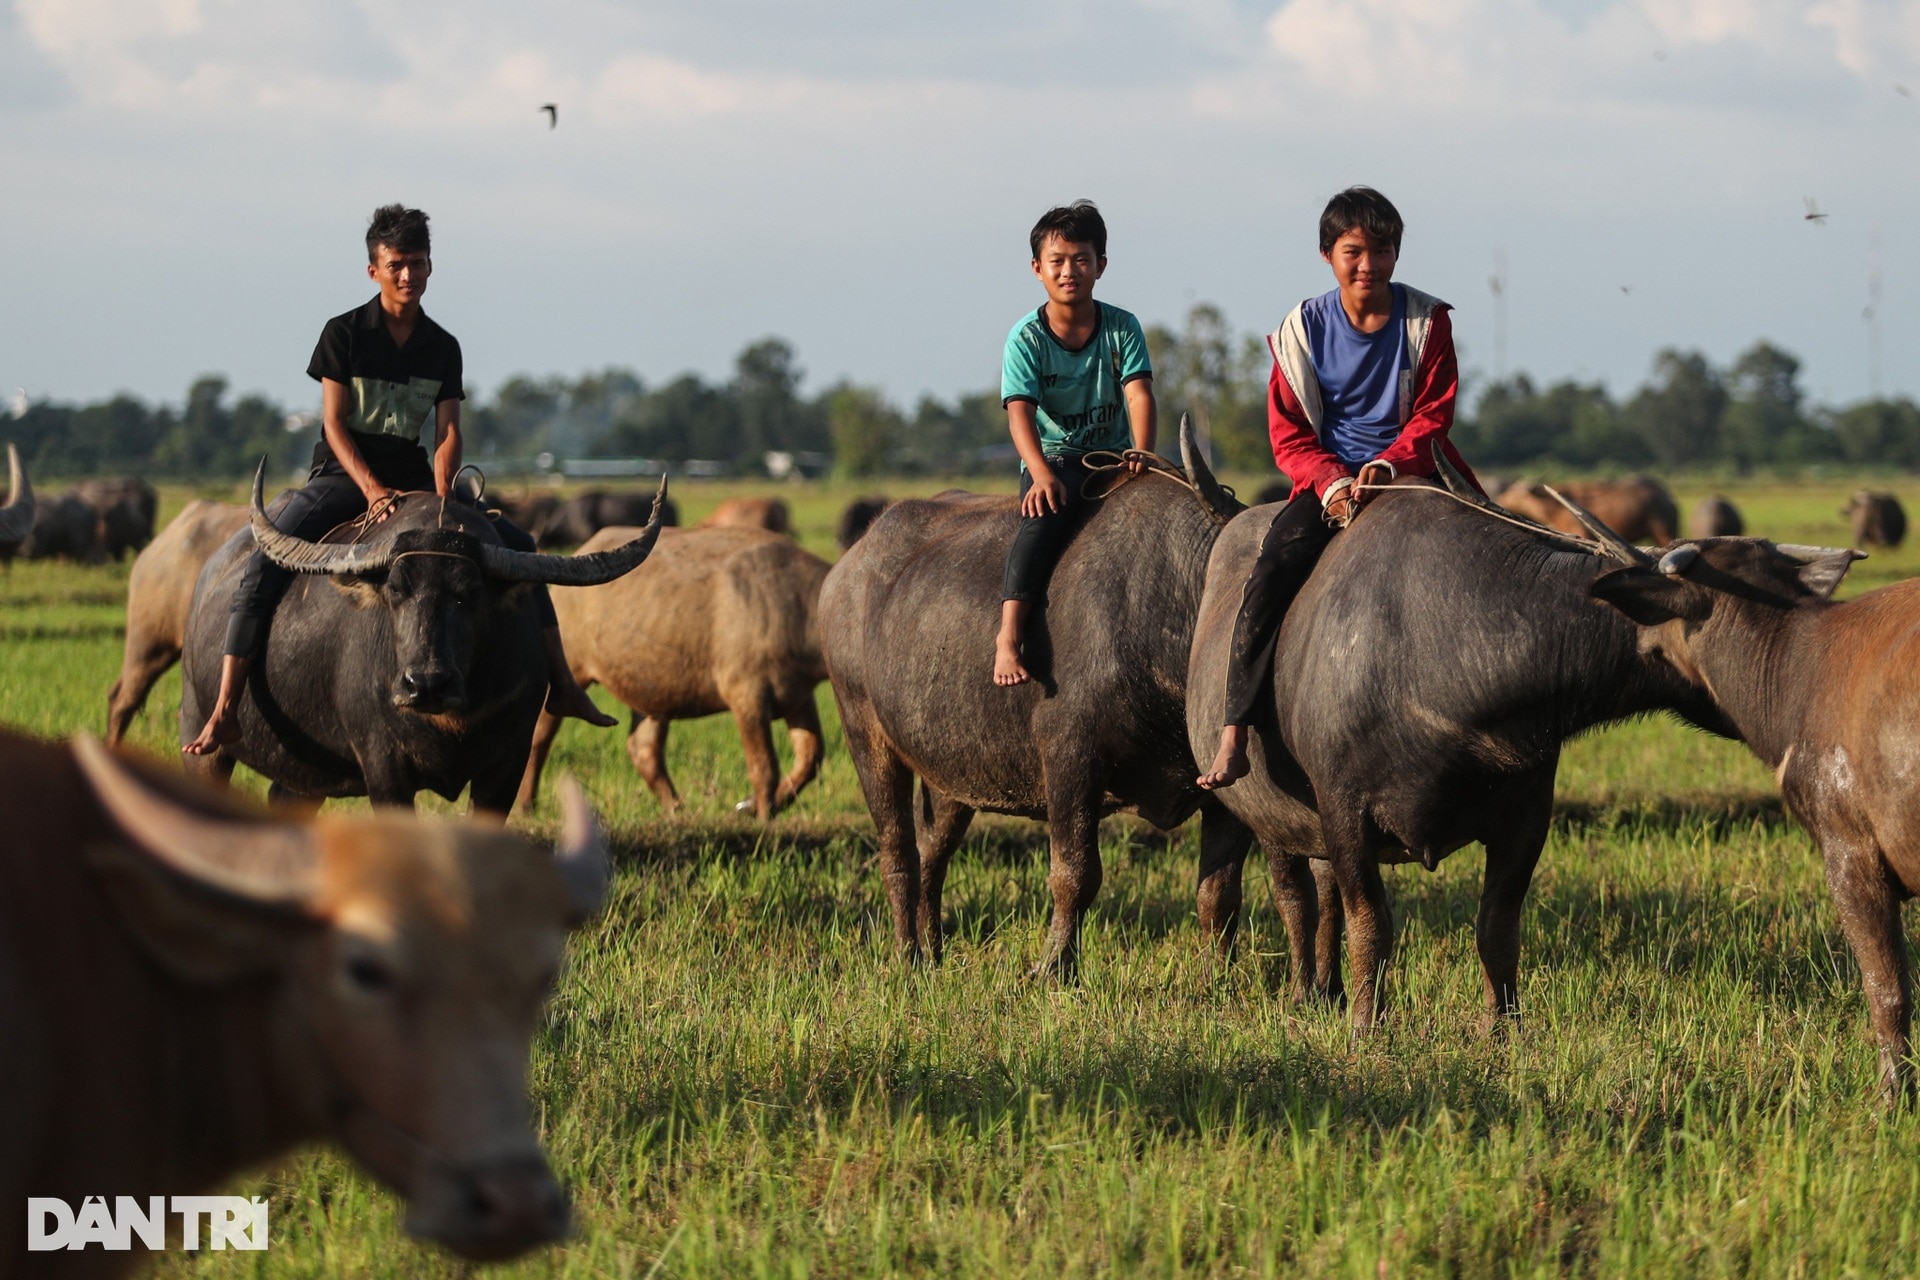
(1110, 472)
(1492, 512)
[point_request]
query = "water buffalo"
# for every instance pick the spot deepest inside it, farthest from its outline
(1638, 508)
(585, 514)
(127, 509)
(751, 513)
(908, 619)
(159, 593)
(64, 528)
(1273, 491)
(858, 516)
(1878, 519)
(715, 620)
(1424, 681)
(16, 518)
(192, 989)
(1825, 693)
(409, 659)
(1715, 517)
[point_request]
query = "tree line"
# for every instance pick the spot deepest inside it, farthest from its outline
(1690, 413)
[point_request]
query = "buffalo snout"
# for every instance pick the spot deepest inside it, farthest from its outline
(491, 1212)
(430, 690)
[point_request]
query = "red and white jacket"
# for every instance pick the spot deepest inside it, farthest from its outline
(1428, 390)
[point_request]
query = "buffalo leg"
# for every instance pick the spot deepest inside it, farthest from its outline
(1512, 855)
(887, 784)
(943, 824)
(1298, 900)
(1369, 917)
(1869, 907)
(139, 672)
(1224, 841)
(647, 748)
(1329, 935)
(754, 718)
(803, 730)
(544, 731)
(292, 803)
(491, 797)
(1073, 831)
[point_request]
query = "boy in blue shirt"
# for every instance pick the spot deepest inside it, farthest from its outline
(1075, 379)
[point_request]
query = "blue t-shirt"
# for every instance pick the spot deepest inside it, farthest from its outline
(1359, 376)
(1078, 402)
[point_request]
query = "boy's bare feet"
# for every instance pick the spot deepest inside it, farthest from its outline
(222, 729)
(571, 700)
(1229, 763)
(1007, 667)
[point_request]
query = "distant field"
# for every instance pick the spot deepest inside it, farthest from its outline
(736, 1079)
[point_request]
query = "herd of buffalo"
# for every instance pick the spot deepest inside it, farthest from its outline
(348, 976)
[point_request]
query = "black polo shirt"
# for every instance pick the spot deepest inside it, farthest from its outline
(391, 390)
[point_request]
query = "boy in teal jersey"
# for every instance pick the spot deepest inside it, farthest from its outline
(1075, 379)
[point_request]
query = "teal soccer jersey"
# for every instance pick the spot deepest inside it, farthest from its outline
(1077, 398)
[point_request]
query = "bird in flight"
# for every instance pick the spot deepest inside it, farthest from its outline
(1903, 91)
(1627, 289)
(553, 114)
(1813, 213)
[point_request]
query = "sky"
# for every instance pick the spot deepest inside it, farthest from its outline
(184, 183)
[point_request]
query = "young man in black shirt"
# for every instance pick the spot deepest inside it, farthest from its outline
(385, 371)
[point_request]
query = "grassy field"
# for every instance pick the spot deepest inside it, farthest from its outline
(736, 1080)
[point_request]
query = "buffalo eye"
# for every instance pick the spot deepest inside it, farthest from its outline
(369, 975)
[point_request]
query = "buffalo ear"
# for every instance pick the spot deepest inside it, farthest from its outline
(1823, 573)
(1646, 596)
(359, 588)
(511, 596)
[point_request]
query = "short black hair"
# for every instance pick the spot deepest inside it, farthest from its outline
(1361, 207)
(401, 229)
(1076, 223)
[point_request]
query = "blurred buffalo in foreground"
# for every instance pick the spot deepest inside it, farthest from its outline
(860, 513)
(580, 517)
(1715, 517)
(1878, 519)
(1638, 508)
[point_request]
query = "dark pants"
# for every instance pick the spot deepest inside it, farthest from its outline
(1287, 555)
(330, 498)
(1037, 546)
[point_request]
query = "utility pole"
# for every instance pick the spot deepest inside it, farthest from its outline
(1497, 282)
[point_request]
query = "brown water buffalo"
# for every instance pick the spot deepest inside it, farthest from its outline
(908, 619)
(1878, 519)
(1715, 517)
(715, 620)
(64, 528)
(16, 518)
(770, 514)
(159, 594)
(1638, 508)
(858, 516)
(585, 514)
(1827, 695)
(192, 989)
(127, 509)
(1273, 491)
(1423, 683)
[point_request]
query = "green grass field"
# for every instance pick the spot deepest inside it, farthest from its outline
(737, 1080)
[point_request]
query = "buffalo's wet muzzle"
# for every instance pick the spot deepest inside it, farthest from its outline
(496, 1211)
(430, 690)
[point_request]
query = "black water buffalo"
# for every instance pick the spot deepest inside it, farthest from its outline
(585, 514)
(64, 528)
(1715, 517)
(127, 509)
(1878, 519)
(16, 518)
(1425, 679)
(908, 618)
(858, 518)
(408, 660)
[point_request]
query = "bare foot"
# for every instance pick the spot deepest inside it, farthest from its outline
(1007, 668)
(1229, 763)
(573, 701)
(219, 731)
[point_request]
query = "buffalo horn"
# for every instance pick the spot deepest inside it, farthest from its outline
(1677, 561)
(1201, 476)
(581, 857)
(576, 571)
(275, 863)
(16, 518)
(301, 556)
(1615, 545)
(1807, 555)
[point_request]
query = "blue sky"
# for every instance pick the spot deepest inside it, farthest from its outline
(183, 183)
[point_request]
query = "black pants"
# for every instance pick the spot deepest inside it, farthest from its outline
(1287, 555)
(330, 498)
(1037, 546)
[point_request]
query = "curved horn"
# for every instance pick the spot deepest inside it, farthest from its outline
(301, 556)
(581, 856)
(1807, 555)
(16, 518)
(270, 862)
(577, 571)
(1615, 545)
(1218, 500)
(1676, 562)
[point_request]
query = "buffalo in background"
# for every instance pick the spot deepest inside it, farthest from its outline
(1638, 508)
(770, 514)
(16, 518)
(65, 528)
(159, 595)
(578, 518)
(1715, 517)
(1878, 519)
(715, 620)
(857, 517)
(127, 509)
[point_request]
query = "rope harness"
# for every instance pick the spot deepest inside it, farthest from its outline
(1489, 509)
(1111, 470)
